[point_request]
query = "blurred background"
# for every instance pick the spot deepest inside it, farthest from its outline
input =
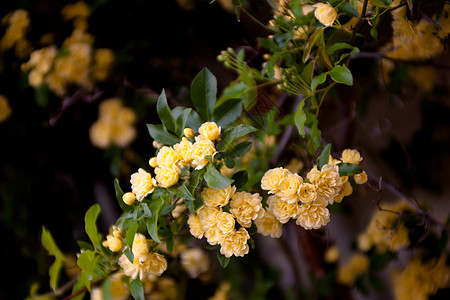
(52, 169)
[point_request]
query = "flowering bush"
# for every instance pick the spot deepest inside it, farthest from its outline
(270, 185)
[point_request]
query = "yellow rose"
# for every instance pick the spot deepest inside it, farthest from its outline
(195, 227)
(217, 198)
(210, 130)
(142, 184)
(184, 150)
(155, 264)
(167, 157)
(313, 215)
(289, 186)
(166, 177)
(346, 190)
(307, 193)
(208, 216)
(282, 210)
(195, 261)
(202, 148)
(225, 222)
(129, 198)
(360, 178)
(267, 224)
(214, 235)
(113, 243)
(245, 207)
(351, 156)
(325, 13)
(235, 243)
(327, 182)
(140, 245)
(272, 179)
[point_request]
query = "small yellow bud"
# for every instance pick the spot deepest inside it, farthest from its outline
(210, 130)
(114, 243)
(129, 198)
(189, 133)
(360, 178)
(152, 162)
(325, 13)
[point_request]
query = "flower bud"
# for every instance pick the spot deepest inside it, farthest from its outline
(129, 198)
(210, 130)
(325, 13)
(189, 133)
(152, 162)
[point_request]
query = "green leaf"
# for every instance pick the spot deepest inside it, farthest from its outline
(181, 191)
(166, 209)
(204, 93)
(223, 260)
(181, 121)
(194, 179)
(240, 179)
(319, 79)
(86, 261)
(137, 289)
(338, 46)
(342, 74)
(194, 121)
(232, 91)
(158, 133)
(164, 112)
(308, 72)
(215, 179)
(131, 233)
(240, 149)
(300, 119)
(152, 223)
(374, 32)
(348, 9)
(313, 39)
(147, 211)
(347, 169)
(50, 245)
(324, 157)
(119, 195)
(90, 225)
(228, 112)
(232, 133)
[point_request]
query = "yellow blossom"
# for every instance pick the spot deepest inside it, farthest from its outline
(245, 207)
(354, 267)
(195, 226)
(142, 184)
(118, 287)
(202, 148)
(327, 182)
(75, 10)
(282, 210)
(331, 255)
(184, 150)
(307, 193)
(210, 130)
(5, 108)
(351, 156)
(225, 222)
(346, 190)
(166, 177)
(152, 162)
(140, 245)
(113, 243)
(217, 198)
(267, 224)
(214, 235)
(189, 133)
(313, 215)
(195, 261)
(360, 178)
(325, 13)
(289, 186)
(129, 198)
(167, 157)
(235, 243)
(222, 291)
(272, 179)
(208, 216)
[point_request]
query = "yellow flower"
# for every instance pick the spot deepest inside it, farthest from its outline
(217, 198)
(129, 198)
(166, 177)
(245, 207)
(289, 186)
(210, 130)
(184, 150)
(351, 156)
(167, 157)
(100, 134)
(235, 243)
(113, 243)
(156, 264)
(142, 184)
(360, 178)
(214, 235)
(267, 224)
(307, 193)
(189, 133)
(208, 216)
(152, 162)
(202, 148)
(222, 291)
(140, 245)
(272, 179)
(325, 13)
(75, 10)
(118, 288)
(282, 210)
(5, 109)
(225, 222)
(357, 265)
(313, 215)
(346, 190)
(332, 255)
(327, 182)
(195, 261)
(195, 226)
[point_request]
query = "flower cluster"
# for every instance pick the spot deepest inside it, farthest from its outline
(306, 199)
(420, 278)
(18, 22)
(114, 125)
(144, 264)
(76, 63)
(114, 240)
(384, 230)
